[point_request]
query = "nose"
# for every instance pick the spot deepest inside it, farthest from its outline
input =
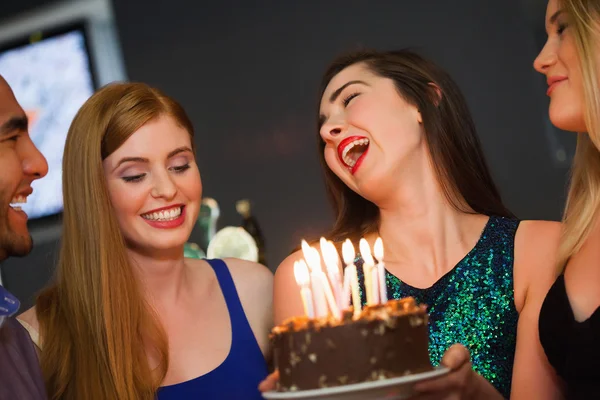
(332, 128)
(545, 59)
(34, 163)
(164, 187)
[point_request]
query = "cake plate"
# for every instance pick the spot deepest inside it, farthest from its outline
(386, 389)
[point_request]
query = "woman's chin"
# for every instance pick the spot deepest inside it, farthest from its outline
(567, 119)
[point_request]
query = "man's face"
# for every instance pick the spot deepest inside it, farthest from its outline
(20, 164)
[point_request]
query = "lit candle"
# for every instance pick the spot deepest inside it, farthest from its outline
(321, 289)
(371, 289)
(303, 280)
(346, 295)
(331, 300)
(331, 258)
(378, 250)
(350, 276)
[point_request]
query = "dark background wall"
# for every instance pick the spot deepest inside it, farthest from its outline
(248, 71)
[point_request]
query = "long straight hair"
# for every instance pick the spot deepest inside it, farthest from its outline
(450, 134)
(583, 200)
(96, 328)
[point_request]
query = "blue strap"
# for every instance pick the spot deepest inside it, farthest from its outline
(243, 369)
(240, 326)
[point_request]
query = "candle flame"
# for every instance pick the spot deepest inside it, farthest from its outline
(305, 249)
(312, 257)
(323, 243)
(348, 252)
(365, 251)
(301, 273)
(315, 260)
(330, 255)
(378, 249)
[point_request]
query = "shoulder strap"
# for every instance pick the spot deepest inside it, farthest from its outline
(234, 305)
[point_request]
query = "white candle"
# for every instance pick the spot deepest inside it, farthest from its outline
(368, 264)
(303, 280)
(378, 250)
(331, 301)
(348, 255)
(331, 258)
(313, 259)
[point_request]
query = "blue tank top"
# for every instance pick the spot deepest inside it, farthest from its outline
(473, 304)
(243, 369)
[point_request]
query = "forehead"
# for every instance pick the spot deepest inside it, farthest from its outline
(551, 8)
(354, 72)
(9, 107)
(155, 139)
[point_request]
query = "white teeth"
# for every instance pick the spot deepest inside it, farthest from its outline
(349, 161)
(19, 200)
(165, 215)
(14, 204)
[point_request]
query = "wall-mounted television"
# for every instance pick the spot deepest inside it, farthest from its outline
(51, 75)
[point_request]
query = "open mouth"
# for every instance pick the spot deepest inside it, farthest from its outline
(17, 201)
(351, 150)
(168, 214)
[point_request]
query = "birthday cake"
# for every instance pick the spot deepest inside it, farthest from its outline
(385, 341)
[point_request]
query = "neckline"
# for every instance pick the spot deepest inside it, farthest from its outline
(453, 270)
(561, 277)
(226, 359)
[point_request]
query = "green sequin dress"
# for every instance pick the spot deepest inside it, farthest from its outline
(473, 304)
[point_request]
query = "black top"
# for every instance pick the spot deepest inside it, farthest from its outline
(572, 347)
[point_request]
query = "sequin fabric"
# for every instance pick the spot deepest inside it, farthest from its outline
(473, 304)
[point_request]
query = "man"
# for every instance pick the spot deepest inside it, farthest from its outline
(20, 164)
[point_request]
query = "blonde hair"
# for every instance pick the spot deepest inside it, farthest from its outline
(96, 327)
(583, 201)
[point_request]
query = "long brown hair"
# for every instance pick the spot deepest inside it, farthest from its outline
(583, 200)
(450, 134)
(97, 329)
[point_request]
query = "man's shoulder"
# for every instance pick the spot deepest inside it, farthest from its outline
(21, 375)
(15, 338)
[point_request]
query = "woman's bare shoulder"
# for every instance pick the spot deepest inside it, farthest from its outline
(536, 249)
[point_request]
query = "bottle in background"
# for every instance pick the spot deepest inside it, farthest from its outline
(250, 224)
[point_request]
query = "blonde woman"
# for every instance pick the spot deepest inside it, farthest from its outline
(129, 317)
(569, 322)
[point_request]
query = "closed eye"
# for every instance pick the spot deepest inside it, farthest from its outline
(12, 138)
(349, 98)
(181, 168)
(133, 178)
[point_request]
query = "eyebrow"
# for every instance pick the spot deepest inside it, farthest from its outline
(555, 16)
(18, 124)
(334, 96)
(339, 91)
(173, 153)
